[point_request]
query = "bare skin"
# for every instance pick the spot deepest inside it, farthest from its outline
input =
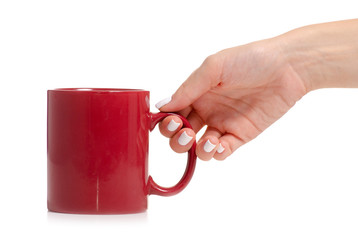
(239, 92)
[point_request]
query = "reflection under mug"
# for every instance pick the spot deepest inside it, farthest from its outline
(97, 151)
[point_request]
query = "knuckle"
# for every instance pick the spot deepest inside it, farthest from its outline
(213, 67)
(211, 61)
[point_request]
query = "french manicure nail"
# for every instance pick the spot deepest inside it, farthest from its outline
(220, 148)
(173, 125)
(208, 146)
(184, 139)
(163, 102)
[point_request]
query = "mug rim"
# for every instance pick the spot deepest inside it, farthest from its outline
(97, 90)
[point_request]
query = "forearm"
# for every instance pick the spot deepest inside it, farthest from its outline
(324, 55)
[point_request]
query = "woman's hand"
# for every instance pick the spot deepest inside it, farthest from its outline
(238, 92)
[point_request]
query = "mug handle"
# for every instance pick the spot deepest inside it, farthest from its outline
(154, 188)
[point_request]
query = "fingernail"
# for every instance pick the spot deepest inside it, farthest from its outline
(184, 139)
(163, 102)
(173, 125)
(220, 148)
(208, 146)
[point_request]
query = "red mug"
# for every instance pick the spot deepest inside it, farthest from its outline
(97, 151)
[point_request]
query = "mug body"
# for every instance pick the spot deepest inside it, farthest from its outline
(97, 150)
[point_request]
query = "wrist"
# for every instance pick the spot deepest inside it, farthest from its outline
(302, 58)
(323, 55)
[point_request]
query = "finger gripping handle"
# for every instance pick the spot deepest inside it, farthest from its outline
(154, 188)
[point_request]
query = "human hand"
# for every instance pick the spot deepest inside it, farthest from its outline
(241, 91)
(237, 93)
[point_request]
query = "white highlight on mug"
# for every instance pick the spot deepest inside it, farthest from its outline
(173, 125)
(84, 89)
(163, 102)
(208, 146)
(220, 148)
(184, 139)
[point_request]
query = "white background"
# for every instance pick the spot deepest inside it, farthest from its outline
(297, 180)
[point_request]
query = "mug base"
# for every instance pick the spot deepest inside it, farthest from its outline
(97, 212)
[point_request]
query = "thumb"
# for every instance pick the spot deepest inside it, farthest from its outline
(207, 76)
